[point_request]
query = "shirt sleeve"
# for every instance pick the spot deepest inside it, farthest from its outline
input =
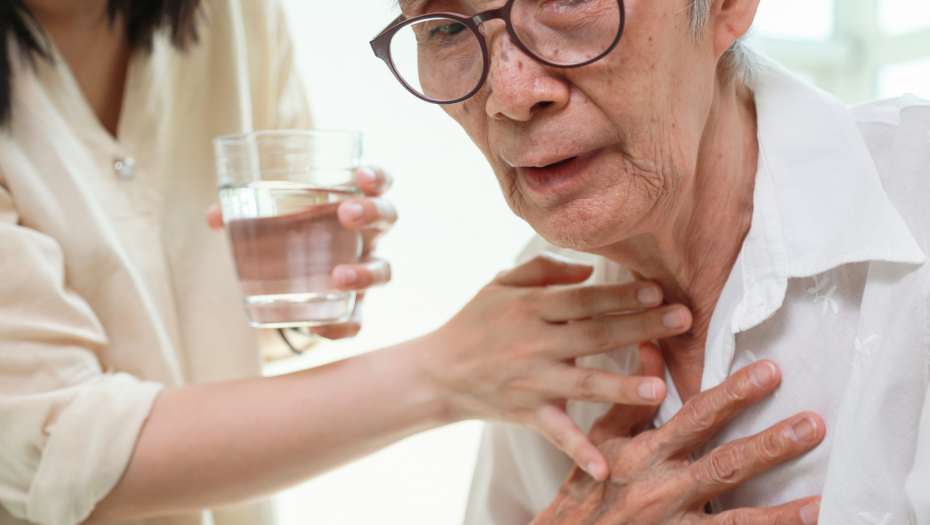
(67, 427)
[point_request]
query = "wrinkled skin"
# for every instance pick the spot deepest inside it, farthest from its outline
(646, 104)
(670, 141)
(653, 479)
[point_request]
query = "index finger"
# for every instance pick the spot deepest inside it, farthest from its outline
(738, 461)
(706, 412)
(374, 181)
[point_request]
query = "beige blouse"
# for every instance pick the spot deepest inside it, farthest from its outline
(111, 284)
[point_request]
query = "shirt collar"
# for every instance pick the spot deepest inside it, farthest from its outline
(818, 204)
(819, 201)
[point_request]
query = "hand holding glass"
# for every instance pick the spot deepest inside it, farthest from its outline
(279, 192)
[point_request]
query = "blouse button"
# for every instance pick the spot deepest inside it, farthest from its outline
(125, 168)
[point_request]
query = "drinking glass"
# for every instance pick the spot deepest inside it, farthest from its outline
(279, 191)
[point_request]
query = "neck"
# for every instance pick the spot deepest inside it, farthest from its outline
(68, 13)
(696, 242)
(95, 48)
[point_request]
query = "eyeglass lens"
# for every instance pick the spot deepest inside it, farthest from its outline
(441, 58)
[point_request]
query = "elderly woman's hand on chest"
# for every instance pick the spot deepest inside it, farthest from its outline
(653, 478)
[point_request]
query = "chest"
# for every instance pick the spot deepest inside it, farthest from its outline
(849, 344)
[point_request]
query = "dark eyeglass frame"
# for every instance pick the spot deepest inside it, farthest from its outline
(381, 44)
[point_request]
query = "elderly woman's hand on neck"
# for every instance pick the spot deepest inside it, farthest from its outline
(646, 157)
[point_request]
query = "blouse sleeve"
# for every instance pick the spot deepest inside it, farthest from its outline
(67, 427)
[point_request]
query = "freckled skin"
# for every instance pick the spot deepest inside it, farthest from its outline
(623, 103)
(670, 195)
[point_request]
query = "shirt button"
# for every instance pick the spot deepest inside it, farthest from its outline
(125, 168)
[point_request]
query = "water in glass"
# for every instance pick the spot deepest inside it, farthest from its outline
(286, 240)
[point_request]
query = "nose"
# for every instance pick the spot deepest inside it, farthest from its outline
(520, 87)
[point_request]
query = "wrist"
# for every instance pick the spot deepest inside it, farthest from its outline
(426, 394)
(431, 374)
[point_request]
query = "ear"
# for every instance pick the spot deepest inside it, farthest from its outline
(729, 20)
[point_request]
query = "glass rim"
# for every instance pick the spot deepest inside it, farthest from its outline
(283, 134)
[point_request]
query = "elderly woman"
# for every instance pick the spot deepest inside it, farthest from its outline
(795, 229)
(128, 383)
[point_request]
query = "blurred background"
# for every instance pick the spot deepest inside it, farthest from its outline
(456, 232)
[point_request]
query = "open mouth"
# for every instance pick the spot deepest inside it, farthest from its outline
(560, 163)
(557, 176)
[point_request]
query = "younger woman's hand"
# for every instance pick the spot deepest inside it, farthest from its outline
(373, 216)
(509, 355)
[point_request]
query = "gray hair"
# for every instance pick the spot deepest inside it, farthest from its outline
(740, 61)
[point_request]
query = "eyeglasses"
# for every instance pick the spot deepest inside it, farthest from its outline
(443, 58)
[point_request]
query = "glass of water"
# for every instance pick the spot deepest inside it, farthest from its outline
(279, 191)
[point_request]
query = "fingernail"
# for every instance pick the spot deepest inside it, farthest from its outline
(648, 295)
(365, 176)
(353, 210)
(674, 320)
(593, 471)
(762, 374)
(348, 275)
(803, 430)
(810, 513)
(647, 390)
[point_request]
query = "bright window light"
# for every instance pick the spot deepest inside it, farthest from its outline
(910, 77)
(903, 16)
(797, 19)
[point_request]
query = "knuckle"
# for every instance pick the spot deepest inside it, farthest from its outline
(768, 447)
(583, 298)
(598, 334)
(653, 445)
(699, 412)
(720, 467)
(525, 303)
(586, 385)
(644, 325)
(732, 395)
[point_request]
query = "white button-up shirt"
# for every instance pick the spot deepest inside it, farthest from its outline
(831, 284)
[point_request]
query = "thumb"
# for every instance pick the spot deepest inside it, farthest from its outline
(214, 218)
(546, 270)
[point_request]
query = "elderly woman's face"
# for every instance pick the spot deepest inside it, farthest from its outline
(593, 155)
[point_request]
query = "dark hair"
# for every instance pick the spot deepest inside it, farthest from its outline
(143, 18)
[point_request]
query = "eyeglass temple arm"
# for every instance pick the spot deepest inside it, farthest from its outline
(397, 21)
(379, 48)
